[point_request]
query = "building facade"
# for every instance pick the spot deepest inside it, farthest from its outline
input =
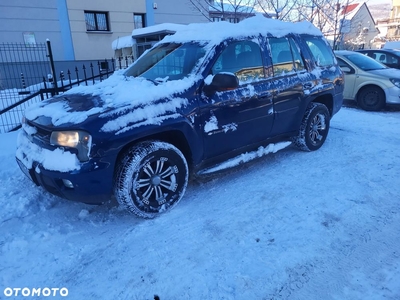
(358, 27)
(85, 29)
(95, 24)
(175, 11)
(393, 24)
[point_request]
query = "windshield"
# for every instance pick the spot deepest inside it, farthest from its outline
(167, 62)
(364, 62)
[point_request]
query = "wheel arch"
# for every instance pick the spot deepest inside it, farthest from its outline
(327, 100)
(174, 137)
(369, 85)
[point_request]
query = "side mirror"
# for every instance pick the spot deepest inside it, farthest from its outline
(347, 70)
(221, 82)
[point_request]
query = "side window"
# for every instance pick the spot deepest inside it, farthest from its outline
(387, 58)
(243, 59)
(321, 52)
(298, 60)
(374, 55)
(282, 58)
(392, 59)
(382, 57)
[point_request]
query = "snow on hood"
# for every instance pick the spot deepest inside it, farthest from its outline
(387, 72)
(117, 95)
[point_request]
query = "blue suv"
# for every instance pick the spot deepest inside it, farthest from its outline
(195, 100)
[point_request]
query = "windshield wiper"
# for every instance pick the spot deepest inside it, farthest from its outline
(152, 80)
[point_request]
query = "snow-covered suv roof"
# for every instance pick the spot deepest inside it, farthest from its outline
(215, 32)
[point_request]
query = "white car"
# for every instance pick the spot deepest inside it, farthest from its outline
(370, 83)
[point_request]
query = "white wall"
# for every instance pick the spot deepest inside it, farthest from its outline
(176, 11)
(39, 18)
(97, 45)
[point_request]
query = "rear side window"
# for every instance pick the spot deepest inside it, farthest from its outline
(243, 58)
(321, 52)
(285, 56)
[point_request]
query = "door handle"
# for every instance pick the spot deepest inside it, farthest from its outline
(307, 85)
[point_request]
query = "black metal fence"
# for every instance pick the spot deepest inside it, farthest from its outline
(28, 75)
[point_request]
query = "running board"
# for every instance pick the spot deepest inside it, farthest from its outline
(245, 157)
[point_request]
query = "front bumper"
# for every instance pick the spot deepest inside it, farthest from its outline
(392, 95)
(91, 182)
(89, 185)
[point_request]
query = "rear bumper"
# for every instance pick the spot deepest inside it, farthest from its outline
(92, 183)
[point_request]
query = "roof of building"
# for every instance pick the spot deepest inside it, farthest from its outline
(167, 28)
(122, 42)
(159, 29)
(349, 8)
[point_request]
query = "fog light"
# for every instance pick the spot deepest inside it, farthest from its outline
(68, 183)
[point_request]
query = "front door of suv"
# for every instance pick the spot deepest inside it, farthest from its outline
(236, 118)
(288, 68)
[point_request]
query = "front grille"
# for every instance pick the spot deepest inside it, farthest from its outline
(41, 137)
(41, 134)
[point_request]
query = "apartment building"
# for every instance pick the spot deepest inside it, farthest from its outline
(85, 29)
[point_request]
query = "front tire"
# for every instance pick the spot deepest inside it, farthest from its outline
(371, 98)
(151, 178)
(314, 128)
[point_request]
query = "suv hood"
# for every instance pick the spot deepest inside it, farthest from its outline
(387, 72)
(120, 101)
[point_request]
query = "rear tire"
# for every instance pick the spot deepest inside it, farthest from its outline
(151, 178)
(314, 128)
(371, 98)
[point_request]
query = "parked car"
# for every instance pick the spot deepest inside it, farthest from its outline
(370, 83)
(202, 96)
(388, 57)
(392, 45)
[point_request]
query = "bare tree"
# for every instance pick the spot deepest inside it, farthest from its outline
(328, 16)
(225, 9)
(279, 9)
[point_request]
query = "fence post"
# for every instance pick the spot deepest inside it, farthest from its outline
(62, 80)
(84, 74)
(53, 70)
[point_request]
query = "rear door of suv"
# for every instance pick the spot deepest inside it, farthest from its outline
(290, 82)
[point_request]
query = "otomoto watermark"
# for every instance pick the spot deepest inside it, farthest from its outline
(31, 292)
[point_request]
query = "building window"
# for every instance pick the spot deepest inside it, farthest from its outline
(96, 21)
(138, 21)
(216, 19)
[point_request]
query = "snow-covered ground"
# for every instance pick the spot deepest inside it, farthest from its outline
(292, 225)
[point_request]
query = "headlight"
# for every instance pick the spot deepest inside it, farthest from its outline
(80, 140)
(395, 81)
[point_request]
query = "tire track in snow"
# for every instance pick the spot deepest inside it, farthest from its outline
(339, 276)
